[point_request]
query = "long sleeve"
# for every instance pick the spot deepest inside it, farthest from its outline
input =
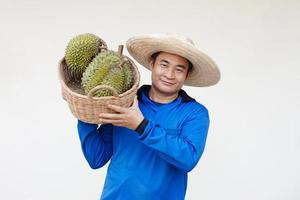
(180, 147)
(96, 143)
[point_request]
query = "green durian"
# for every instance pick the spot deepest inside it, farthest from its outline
(80, 51)
(128, 82)
(98, 69)
(115, 79)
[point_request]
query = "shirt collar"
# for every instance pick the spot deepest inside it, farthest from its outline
(185, 97)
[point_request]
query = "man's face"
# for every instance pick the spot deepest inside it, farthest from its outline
(169, 72)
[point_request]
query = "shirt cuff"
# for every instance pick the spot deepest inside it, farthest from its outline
(141, 127)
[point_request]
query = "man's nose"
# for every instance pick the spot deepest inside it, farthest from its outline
(170, 74)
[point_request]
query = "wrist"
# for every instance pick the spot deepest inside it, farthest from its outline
(142, 125)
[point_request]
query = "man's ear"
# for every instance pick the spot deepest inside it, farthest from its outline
(187, 74)
(151, 65)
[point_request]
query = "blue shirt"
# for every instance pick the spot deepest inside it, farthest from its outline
(153, 162)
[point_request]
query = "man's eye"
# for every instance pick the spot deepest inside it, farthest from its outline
(163, 65)
(179, 70)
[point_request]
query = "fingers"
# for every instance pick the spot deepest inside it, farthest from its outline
(135, 102)
(112, 121)
(112, 116)
(117, 108)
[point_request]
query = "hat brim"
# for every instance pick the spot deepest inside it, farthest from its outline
(204, 73)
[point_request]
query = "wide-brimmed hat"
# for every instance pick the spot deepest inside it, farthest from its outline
(204, 73)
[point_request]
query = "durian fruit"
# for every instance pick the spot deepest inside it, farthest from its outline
(80, 51)
(128, 82)
(115, 79)
(98, 69)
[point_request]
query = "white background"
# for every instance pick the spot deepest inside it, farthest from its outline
(253, 146)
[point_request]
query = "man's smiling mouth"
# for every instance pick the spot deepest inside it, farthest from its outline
(167, 83)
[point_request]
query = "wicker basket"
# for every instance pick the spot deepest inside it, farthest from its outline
(87, 107)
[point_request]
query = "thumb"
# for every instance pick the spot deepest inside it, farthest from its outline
(135, 102)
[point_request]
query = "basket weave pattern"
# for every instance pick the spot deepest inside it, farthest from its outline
(86, 107)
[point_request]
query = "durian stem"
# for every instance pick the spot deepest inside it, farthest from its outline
(120, 50)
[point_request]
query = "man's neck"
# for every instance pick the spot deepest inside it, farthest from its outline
(158, 97)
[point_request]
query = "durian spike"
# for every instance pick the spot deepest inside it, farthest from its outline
(123, 62)
(103, 45)
(120, 50)
(102, 49)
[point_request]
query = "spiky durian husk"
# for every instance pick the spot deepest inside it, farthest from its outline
(115, 79)
(128, 82)
(98, 69)
(80, 51)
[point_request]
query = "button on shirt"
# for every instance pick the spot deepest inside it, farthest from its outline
(153, 161)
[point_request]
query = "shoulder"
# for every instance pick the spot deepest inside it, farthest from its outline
(196, 108)
(141, 90)
(191, 103)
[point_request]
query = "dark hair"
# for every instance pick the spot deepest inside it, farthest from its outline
(154, 56)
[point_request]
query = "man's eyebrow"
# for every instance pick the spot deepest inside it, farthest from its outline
(163, 60)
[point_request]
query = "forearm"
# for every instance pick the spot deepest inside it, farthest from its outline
(96, 143)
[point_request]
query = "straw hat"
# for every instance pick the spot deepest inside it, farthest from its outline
(204, 73)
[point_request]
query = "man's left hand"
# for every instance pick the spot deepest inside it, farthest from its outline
(127, 117)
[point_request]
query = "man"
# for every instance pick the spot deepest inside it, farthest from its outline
(153, 144)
